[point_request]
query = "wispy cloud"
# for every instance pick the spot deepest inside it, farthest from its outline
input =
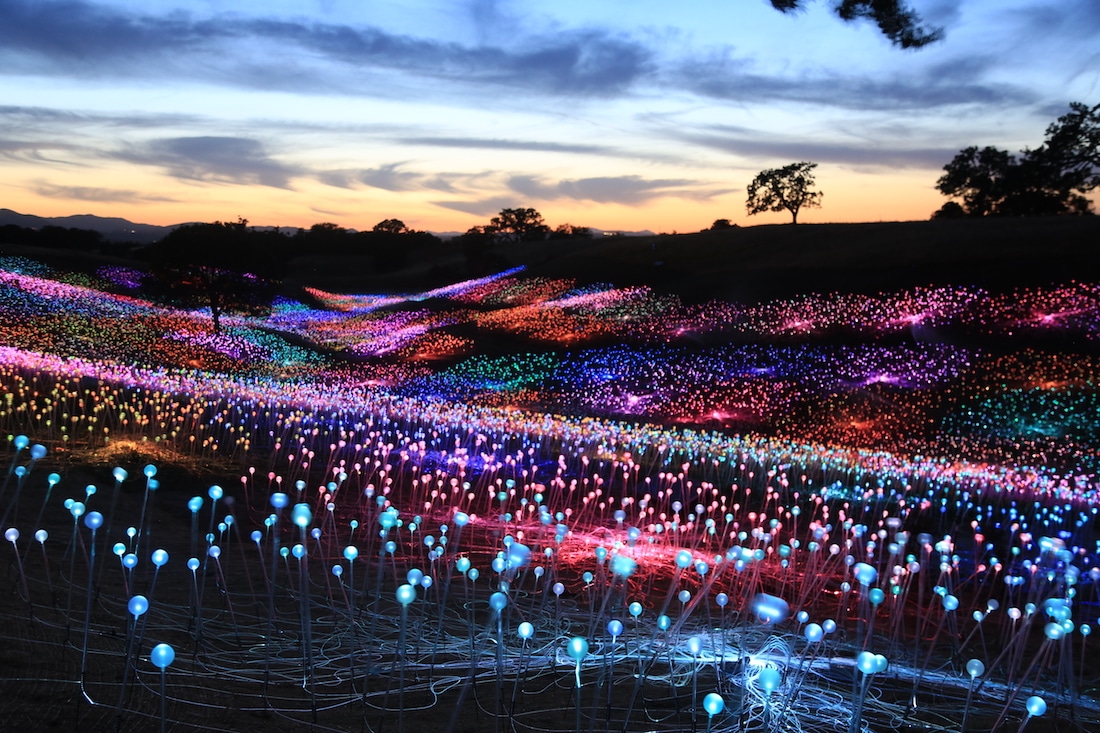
(99, 195)
(214, 159)
(82, 39)
(762, 145)
(503, 144)
(627, 190)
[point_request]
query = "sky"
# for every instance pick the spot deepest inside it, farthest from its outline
(614, 114)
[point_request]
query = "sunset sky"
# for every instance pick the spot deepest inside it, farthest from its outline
(616, 114)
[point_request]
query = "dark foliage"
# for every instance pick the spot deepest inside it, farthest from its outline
(1050, 180)
(895, 19)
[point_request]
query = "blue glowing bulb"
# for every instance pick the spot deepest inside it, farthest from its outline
(462, 519)
(414, 576)
(615, 628)
(138, 605)
(713, 703)
(150, 471)
(299, 551)
(162, 655)
(279, 500)
(722, 599)
(769, 679)
(525, 630)
(193, 564)
(462, 564)
(683, 559)
(215, 492)
(350, 553)
(578, 648)
(337, 570)
(195, 504)
(93, 520)
(558, 589)
(11, 534)
(41, 535)
(635, 609)
(975, 668)
(119, 474)
(498, 602)
(129, 561)
(21, 442)
(1036, 706)
(865, 662)
(663, 622)
(160, 557)
(406, 594)
(813, 633)
(77, 509)
(301, 515)
(770, 609)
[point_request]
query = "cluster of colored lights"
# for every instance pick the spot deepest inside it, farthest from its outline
(576, 515)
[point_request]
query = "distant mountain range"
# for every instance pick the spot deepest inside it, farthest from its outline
(116, 229)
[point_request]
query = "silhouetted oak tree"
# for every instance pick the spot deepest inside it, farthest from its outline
(225, 267)
(1050, 180)
(894, 18)
(789, 188)
(518, 225)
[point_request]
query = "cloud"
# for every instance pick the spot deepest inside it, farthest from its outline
(767, 146)
(950, 83)
(499, 144)
(99, 195)
(215, 159)
(480, 207)
(74, 37)
(627, 190)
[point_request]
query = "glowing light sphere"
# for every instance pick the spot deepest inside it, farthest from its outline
(194, 504)
(721, 599)
(770, 609)
(406, 594)
(1036, 706)
(866, 663)
(77, 509)
(975, 668)
(462, 564)
(813, 633)
(577, 648)
(1054, 631)
(160, 557)
(684, 559)
(865, 574)
(950, 603)
(298, 551)
(558, 589)
(498, 601)
(42, 535)
(38, 452)
(301, 515)
(635, 609)
(714, 703)
(614, 628)
(623, 566)
(21, 442)
(279, 500)
(525, 630)
(129, 561)
(138, 605)
(193, 564)
(462, 519)
(150, 471)
(414, 576)
(162, 656)
(215, 492)
(119, 474)
(11, 534)
(769, 679)
(664, 622)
